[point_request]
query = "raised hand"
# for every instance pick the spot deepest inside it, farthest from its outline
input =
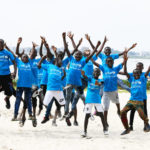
(105, 39)
(70, 35)
(43, 39)
(64, 34)
(87, 37)
(54, 48)
(98, 43)
(134, 45)
(80, 41)
(19, 40)
(34, 44)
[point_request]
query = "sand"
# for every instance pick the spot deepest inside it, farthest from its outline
(62, 137)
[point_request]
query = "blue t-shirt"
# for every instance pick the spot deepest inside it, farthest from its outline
(54, 77)
(24, 74)
(88, 68)
(103, 57)
(5, 57)
(64, 65)
(93, 91)
(44, 79)
(35, 69)
(110, 77)
(74, 72)
(137, 88)
(144, 85)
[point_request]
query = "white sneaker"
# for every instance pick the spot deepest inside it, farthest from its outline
(106, 132)
(84, 134)
(54, 124)
(92, 117)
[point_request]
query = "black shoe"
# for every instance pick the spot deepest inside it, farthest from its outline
(125, 132)
(131, 128)
(147, 128)
(45, 120)
(68, 121)
(21, 123)
(34, 122)
(7, 102)
(75, 123)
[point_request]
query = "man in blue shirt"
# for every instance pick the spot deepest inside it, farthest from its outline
(136, 100)
(5, 75)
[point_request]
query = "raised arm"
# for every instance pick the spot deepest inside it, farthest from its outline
(127, 50)
(89, 40)
(102, 46)
(95, 63)
(17, 48)
(54, 50)
(76, 48)
(33, 51)
(41, 60)
(41, 46)
(49, 54)
(70, 35)
(65, 44)
(125, 65)
(89, 57)
(147, 72)
(10, 50)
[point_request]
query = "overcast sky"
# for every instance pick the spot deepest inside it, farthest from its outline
(123, 21)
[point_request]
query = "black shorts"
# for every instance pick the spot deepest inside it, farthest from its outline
(6, 83)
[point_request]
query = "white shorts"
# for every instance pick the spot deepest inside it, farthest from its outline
(88, 107)
(113, 96)
(58, 95)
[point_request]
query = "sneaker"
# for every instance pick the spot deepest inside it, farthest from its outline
(51, 116)
(7, 102)
(21, 123)
(106, 132)
(92, 117)
(34, 122)
(63, 117)
(45, 120)
(125, 132)
(75, 123)
(14, 119)
(147, 128)
(131, 128)
(54, 124)
(30, 117)
(68, 121)
(84, 134)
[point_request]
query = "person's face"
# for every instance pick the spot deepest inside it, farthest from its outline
(78, 55)
(24, 58)
(1, 45)
(139, 67)
(109, 62)
(107, 51)
(96, 73)
(60, 55)
(87, 53)
(58, 62)
(136, 74)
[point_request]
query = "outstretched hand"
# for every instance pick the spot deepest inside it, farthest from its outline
(87, 37)
(19, 40)
(34, 44)
(70, 35)
(105, 39)
(54, 48)
(43, 39)
(64, 34)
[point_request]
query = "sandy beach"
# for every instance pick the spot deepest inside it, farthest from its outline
(62, 137)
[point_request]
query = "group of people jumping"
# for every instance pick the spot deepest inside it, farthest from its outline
(63, 79)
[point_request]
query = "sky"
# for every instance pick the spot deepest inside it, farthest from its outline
(124, 22)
